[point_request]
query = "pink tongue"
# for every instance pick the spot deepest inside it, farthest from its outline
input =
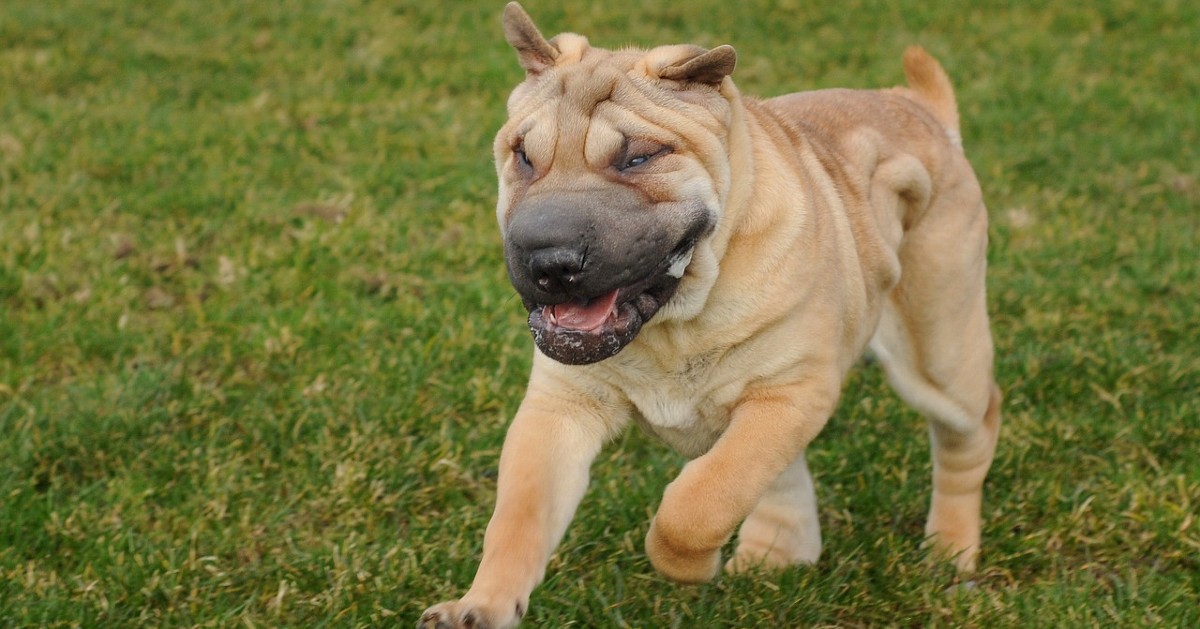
(584, 315)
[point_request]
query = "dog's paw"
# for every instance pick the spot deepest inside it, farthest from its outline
(462, 614)
(679, 560)
(953, 539)
(752, 559)
(964, 556)
(774, 547)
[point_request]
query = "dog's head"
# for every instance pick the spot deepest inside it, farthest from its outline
(613, 170)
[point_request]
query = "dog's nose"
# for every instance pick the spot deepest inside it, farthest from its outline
(556, 269)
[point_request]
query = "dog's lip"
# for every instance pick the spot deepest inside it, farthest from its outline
(580, 347)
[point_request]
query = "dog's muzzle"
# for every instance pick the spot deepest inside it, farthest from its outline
(587, 330)
(591, 280)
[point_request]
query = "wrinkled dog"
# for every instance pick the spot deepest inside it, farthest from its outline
(710, 266)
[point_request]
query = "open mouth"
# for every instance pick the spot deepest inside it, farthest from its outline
(584, 315)
(587, 330)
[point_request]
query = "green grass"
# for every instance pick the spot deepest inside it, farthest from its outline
(257, 348)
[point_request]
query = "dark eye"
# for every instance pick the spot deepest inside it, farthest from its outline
(639, 152)
(634, 162)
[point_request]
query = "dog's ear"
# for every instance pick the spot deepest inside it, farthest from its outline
(534, 52)
(705, 66)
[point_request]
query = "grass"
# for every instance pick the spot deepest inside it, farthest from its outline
(257, 348)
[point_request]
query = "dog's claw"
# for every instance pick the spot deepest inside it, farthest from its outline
(433, 620)
(454, 615)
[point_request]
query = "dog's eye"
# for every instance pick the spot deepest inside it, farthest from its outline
(634, 162)
(639, 153)
(522, 158)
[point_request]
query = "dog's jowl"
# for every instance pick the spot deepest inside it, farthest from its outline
(709, 266)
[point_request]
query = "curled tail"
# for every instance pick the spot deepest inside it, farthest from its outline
(931, 87)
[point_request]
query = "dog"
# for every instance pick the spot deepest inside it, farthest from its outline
(710, 266)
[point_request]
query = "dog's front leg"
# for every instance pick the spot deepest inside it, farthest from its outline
(769, 429)
(543, 475)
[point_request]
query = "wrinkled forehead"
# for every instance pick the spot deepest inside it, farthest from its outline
(604, 88)
(579, 87)
(576, 109)
(594, 101)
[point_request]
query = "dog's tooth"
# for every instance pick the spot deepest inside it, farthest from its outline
(679, 264)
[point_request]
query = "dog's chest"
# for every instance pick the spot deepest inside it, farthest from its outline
(681, 406)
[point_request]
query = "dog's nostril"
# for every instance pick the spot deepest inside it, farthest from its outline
(556, 269)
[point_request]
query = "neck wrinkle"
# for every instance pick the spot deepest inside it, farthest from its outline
(740, 151)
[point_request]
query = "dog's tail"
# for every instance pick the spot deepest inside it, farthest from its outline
(931, 87)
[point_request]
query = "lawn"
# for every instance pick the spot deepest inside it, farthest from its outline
(258, 350)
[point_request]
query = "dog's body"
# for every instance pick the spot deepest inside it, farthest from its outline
(711, 266)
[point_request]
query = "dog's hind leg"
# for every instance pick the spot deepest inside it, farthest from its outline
(783, 528)
(936, 348)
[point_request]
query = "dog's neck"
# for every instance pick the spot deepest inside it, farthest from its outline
(740, 190)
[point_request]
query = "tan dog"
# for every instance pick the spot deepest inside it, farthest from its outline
(711, 266)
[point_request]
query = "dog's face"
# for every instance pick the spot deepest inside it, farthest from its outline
(612, 170)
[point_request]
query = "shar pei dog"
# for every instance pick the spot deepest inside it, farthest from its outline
(710, 266)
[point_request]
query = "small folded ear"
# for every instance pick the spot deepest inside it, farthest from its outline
(710, 66)
(534, 52)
